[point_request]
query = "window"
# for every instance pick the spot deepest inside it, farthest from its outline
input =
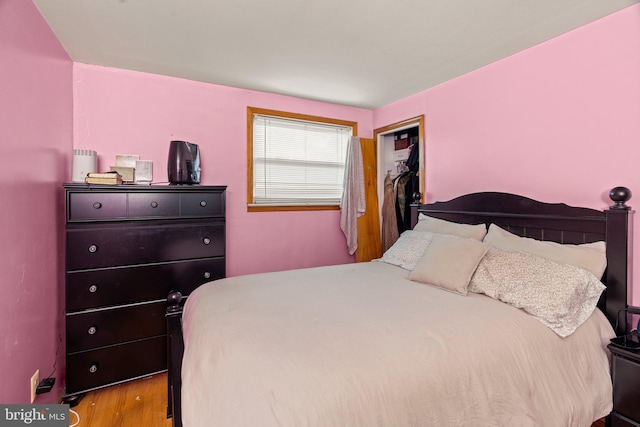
(295, 161)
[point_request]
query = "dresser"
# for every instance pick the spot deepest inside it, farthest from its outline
(127, 247)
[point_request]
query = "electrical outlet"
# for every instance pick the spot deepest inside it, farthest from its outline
(35, 379)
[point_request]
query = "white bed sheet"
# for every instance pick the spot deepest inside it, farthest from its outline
(361, 345)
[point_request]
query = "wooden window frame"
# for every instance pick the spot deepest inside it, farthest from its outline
(251, 111)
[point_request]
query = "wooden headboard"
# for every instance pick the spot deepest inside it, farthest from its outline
(555, 222)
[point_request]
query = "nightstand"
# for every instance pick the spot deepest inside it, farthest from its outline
(625, 373)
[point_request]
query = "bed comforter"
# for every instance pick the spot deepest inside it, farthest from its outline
(360, 345)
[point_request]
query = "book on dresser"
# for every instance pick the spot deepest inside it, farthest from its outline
(126, 248)
(108, 178)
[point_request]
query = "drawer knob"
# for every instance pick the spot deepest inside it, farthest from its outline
(97, 205)
(93, 288)
(154, 204)
(207, 275)
(93, 368)
(92, 330)
(206, 240)
(93, 248)
(203, 203)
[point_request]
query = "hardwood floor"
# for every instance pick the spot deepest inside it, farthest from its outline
(137, 403)
(133, 404)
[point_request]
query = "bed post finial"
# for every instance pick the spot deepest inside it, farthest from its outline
(417, 197)
(174, 298)
(620, 195)
(417, 200)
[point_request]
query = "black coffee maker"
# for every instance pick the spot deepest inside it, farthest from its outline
(184, 163)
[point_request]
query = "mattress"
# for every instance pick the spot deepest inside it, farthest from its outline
(361, 345)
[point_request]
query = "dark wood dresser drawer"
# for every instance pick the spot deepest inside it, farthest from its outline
(153, 205)
(99, 328)
(96, 206)
(131, 284)
(111, 365)
(202, 204)
(101, 205)
(113, 246)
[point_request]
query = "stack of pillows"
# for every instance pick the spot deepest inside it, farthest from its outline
(558, 284)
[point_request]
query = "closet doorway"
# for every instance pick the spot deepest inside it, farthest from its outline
(394, 144)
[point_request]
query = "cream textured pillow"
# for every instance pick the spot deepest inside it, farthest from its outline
(408, 249)
(591, 256)
(561, 296)
(440, 226)
(449, 263)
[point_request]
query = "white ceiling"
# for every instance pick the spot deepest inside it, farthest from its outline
(363, 53)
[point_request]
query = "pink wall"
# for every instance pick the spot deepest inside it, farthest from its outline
(559, 122)
(36, 131)
(125, 112)
(571, 104)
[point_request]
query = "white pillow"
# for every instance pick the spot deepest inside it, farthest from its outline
(561, 296)
(449, 262)
(408, 249)
(591, 256)
(441, 226)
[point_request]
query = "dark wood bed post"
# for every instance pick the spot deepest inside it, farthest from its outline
(618, 256)
(175, 350)
(417, 197)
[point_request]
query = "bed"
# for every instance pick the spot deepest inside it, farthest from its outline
(419, 337)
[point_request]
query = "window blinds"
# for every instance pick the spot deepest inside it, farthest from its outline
(297, 162)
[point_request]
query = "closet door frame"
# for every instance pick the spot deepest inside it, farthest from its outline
(379, 135)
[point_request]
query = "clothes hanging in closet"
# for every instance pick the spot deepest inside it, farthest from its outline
(389, 223)
(406, 184)
(413, 162)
